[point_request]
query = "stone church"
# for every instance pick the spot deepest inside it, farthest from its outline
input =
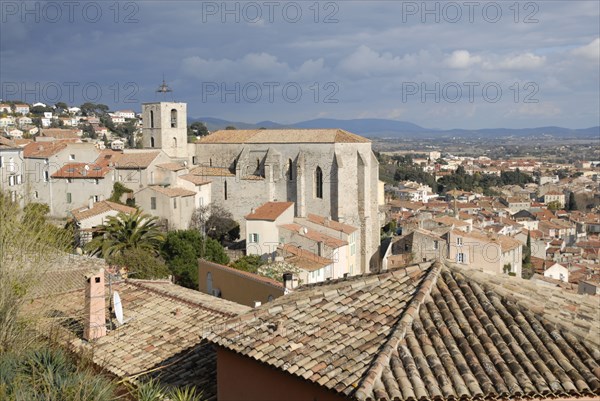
(329, 172)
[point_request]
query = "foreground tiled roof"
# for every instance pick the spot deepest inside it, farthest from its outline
(162, 334)
(328, 334)
(283, 136)
(83, 213)
(303, 258)
(416, 334)
(269, 211)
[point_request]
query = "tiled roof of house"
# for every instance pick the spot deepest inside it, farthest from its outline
(303, 258)
(450, 221)
(195, 179)
(419, 333)
(335, 225)
(314, 235)
(283, 136)
(135, 160)
(162, 334)
(172, 166)
(43, 150)
(506, 243)
(61, 133)
(6, 143)
(269, 211)
(81, 170)
(172, 192)
(207, 171)
(101, 207)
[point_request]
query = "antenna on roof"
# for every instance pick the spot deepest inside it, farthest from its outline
(118, 307)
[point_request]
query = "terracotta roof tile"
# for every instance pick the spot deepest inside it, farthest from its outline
(207, 171)
(172, 166)
(81, 170)
(314, 235)
(172, 192)
(135, 160)
(283, 136)
(269, 211)
(303, 258)
(101, 207)
(195, 179)
(43, 150)
(335, 225)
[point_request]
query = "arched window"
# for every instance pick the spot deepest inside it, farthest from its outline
(174, 142)
(151, 119)
(225, 190)
(152, 142)
(173, 118)
(209, 283)
(319, 183)
(290, 174)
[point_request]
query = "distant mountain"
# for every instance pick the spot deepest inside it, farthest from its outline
(382, 128)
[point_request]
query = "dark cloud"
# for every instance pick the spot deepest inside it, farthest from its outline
(248, 60)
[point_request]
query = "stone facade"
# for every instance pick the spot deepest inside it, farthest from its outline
(331, 173)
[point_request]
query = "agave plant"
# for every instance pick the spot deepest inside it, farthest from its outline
(187, 393)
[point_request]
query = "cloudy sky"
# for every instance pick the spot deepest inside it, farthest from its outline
(436, 64)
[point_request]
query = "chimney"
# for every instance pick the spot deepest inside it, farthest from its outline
(257, 304)
(95, 306)
(289, 281)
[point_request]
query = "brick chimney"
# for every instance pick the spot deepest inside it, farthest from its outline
(95, 306)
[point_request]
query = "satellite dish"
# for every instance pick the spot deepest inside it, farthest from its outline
(118, 307)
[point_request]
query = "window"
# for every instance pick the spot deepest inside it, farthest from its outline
(194, 160)
(46, 176)
(436, 245)
(152, 124)
(71, 157)
(257, 166)
(460, 258)
(319, 183)
(174, 142)
(174, 203)
(151, 141)
(19, 179)
(97, 181)
(13, 196)
(173, 119)
(209, 283)
(69, 198)
(225, 190)
(36, 195)
(69, 180)
(96, 198)
(153, 203)
(254, 238)
(290, 172)
(1, 160)
(459, 241)
(11, 180)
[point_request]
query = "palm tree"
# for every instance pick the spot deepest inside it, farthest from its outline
(124, 232)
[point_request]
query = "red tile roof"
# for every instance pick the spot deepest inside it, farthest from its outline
(269, 211)
(81, 170)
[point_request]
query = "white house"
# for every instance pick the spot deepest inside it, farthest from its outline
(557, 272)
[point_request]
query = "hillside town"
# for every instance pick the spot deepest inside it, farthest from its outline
(301, 264)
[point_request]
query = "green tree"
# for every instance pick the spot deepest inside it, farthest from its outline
(118, 191)
(572, 205)
(554, 205)
(527, 250)
(126, 232)
(230, 127)
(197, 128)
(144, 264)
(181, 251)
(248, 263)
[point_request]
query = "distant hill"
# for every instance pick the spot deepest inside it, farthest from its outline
(382, 128)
